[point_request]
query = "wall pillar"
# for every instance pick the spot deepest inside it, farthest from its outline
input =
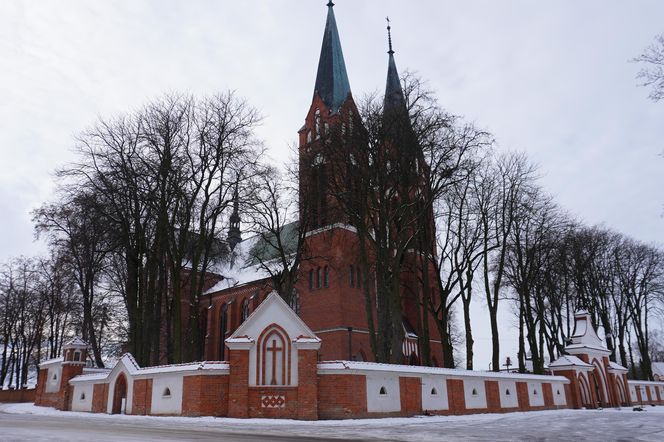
(238, 382)
(307, 385)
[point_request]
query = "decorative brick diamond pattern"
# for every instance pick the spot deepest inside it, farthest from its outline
(273, 401)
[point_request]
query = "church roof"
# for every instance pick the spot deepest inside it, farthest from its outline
(332, 80)
(252, 257)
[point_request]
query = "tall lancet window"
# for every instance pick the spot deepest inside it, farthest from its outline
(317, 123)
(244, 310)
(273, 357)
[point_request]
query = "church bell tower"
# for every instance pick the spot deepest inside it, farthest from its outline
(332, 116)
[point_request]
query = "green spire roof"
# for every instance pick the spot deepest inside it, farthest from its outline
(332, 80)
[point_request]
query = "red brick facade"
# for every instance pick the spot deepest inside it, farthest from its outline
(142, 398)
(340, 396)
(205, 395)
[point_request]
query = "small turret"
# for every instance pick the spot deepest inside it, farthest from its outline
(234, 233)
(75, 352)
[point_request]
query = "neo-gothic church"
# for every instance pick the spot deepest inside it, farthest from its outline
(329, 295)
(266, 359)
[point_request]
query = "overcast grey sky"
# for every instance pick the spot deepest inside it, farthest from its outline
(549, 78)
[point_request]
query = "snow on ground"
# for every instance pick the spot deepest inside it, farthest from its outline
(592, 425)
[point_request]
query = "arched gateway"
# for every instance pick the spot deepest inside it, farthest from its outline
(596, 381)
(120, 395)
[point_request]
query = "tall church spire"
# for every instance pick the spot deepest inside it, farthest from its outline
(394, 98)
(332, 80)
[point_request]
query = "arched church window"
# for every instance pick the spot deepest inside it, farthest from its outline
(359, 277)
(326, 276)
(245, 310)
(311, 279)
(318, 160)
(77, 356)
(82, 396)
(274, 357)
(295, 301)
(317, 123)
(474, 392)
(434, 392)
(167, 392)
(507, 392)
(55, 377)
(535, 392)
(382, 391)
(318, 277)
(223, 329)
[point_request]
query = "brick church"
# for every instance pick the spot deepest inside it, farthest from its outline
(329, 293)
(311, 359)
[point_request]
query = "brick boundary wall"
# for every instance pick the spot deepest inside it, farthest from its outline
(142, 396)
(20, 395)
(652, 396)
(342, 396)
(205, 395)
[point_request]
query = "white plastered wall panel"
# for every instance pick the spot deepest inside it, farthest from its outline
(383, 393)
(113, 377)
(82, 397)
(535, 394)
(53, 378)
(163, 403)
(508, 396)
(559, 397)
(474, 393)
(434, 393)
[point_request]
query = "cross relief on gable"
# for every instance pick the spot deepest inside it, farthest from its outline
(273, 357)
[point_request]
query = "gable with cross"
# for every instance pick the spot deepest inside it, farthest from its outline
(273, 335)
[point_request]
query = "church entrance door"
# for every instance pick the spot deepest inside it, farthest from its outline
(120, 395)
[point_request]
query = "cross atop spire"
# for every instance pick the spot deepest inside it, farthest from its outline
(332, 80)
(389, 35)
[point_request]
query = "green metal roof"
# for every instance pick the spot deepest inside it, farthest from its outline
(332, 80)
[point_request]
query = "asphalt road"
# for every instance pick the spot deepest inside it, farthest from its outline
(17, 427)
(29, 423)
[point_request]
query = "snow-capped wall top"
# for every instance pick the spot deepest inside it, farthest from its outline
(48, 362)
(614, 366)
(569, 361)
(334, 367)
